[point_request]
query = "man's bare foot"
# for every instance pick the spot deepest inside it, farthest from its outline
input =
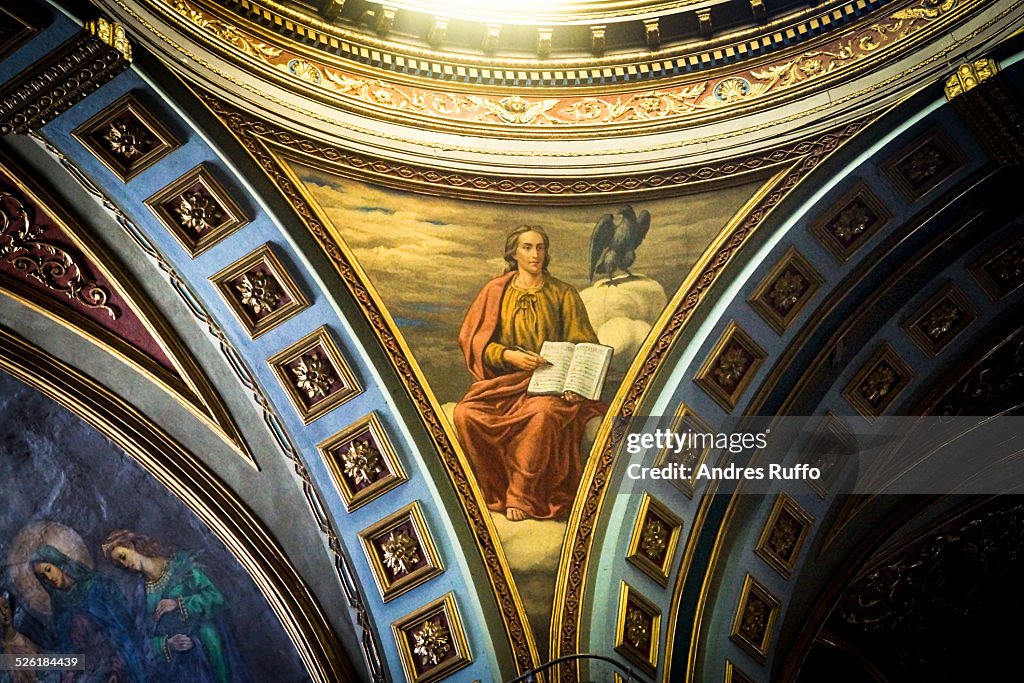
(515, 515)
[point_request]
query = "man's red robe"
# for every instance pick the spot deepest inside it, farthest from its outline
(524, 450)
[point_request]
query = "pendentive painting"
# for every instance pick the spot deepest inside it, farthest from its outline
(524, 321)
(101, 561)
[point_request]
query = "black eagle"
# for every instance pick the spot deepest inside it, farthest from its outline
(615, 239)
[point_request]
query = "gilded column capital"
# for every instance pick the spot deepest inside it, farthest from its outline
(969, 75)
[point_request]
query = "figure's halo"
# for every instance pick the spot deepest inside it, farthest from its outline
(24, 545)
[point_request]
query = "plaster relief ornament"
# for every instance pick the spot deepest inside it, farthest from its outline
(731, 367)
(638, 632)
(786, 291)
(128, 139)
(259, 292)
(878, 384)
(400, 552)
(313, 375)
(198, 212)
(361, 462)
(431, 643)
(654, 540)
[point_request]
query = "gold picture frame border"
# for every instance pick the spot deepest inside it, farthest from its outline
(728, 399)
(842, 252)
(759, 650)
(372, 425)
(650, 505)
(627, 595)
(783, 503)
(793, 258)
(204, 175)
(947, 291)
(319, 337)
(263, 255)
(391, 588)
(130, 101)
(885, 352)
(444, 605)
(686, 416)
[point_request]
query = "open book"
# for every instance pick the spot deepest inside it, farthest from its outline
(574, 367)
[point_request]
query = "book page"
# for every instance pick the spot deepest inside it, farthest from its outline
(588, 369)
(549, 379)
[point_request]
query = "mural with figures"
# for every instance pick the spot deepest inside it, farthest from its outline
(102, 561)
(524, 321)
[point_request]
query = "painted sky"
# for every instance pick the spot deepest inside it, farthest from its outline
(428, 257)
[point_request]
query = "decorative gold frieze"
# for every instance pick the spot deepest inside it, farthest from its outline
(431, 641)
(846, 227)
(655, 537)
(638, 629)
(126, 137)
(969, 75)
(693, 455)
(873, 389)
(754, 623)
(315, 375)
(259, 291)
(730, 367)
(828, 449)
(786, 290)
(924, 164)
(197, 210)
(63, 77)
(1001, 271)
(401, 552)
(362, 462)
(783, 535)
(940, 319)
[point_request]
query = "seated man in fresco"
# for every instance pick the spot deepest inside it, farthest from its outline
(524, 449)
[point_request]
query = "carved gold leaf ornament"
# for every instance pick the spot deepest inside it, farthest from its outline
(313, 375)
(198, 212)
(516, 110)
(127, 138)
(361, 462)
(431, 643)
(259, 291)
(654, 539)
(23, 245)
(400, 552)
(638, 631)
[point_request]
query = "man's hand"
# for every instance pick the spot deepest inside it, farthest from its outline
(524, 360)
(571, 397)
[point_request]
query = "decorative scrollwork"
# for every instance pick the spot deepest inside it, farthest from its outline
(24, 246)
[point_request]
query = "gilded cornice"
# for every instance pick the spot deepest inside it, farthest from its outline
(561, 111)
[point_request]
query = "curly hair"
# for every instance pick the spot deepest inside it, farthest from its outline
(140, 543)
(512, 243)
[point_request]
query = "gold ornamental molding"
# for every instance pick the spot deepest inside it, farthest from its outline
(63, 273)
(560, 110)
(269, 145)
(185, 476)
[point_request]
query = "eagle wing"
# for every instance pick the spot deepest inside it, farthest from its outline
(601, 239)
(643, 224)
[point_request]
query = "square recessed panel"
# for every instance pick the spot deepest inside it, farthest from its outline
(754, 623)
(787, 289)
(197, 210)
(735, 675)
(14, 30)
(315, 375)
(259, 291)
(695, 451)
(874, 388)
(431, 642)
(857, 216)
(730, 367)
(126, 137)
(401, 552)
(783, 535)
(655, 537)
(924, 164)
(362, 462)
(831, 445)
(638, 629)
(1001, 271)
(945, 315)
